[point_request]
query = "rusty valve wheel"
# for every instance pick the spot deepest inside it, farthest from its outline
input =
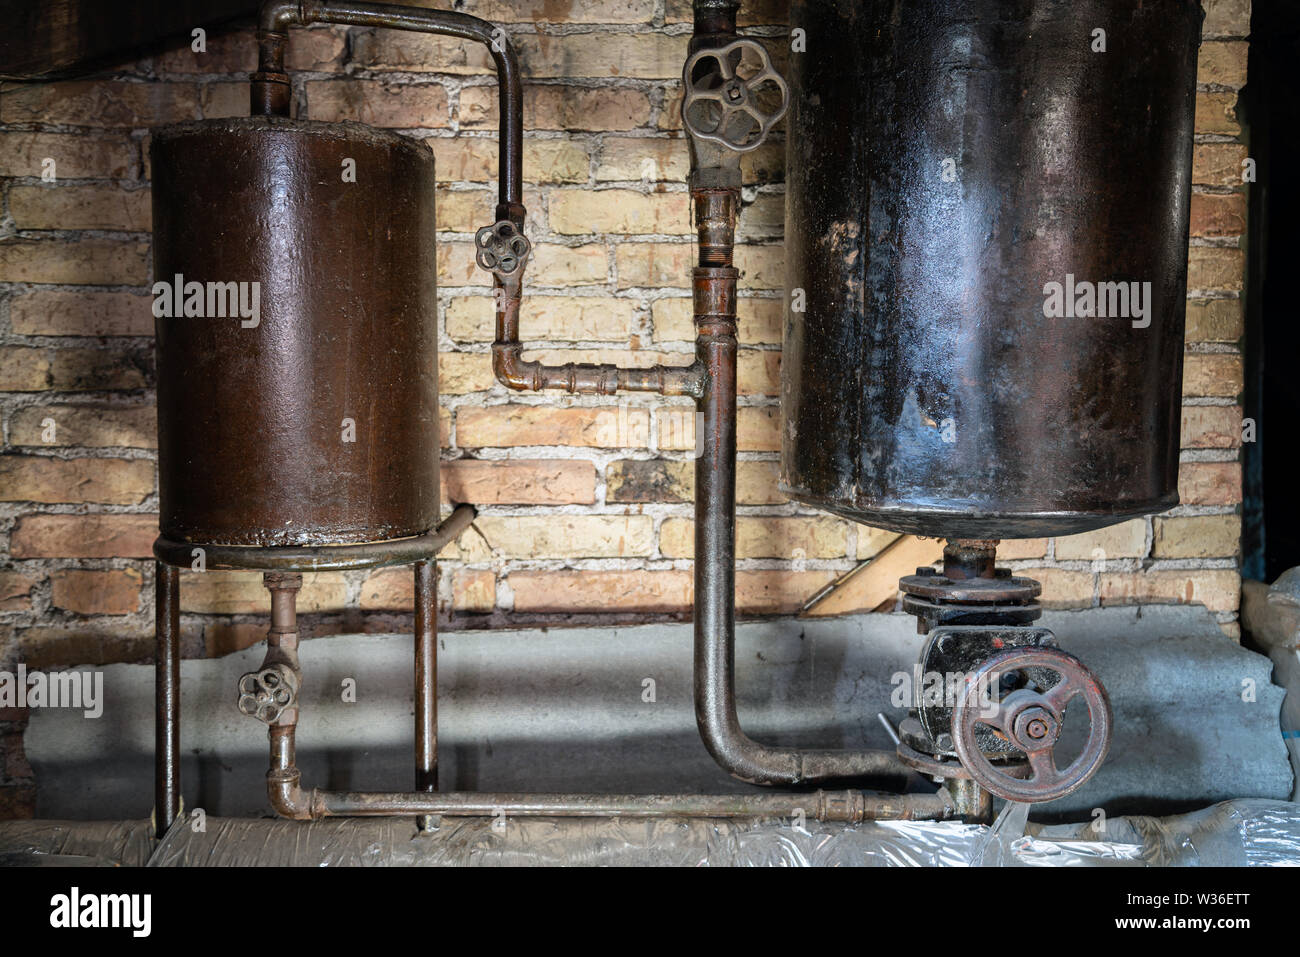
(1031, 721)
(267, 693)
(733, 96)
(501, 248)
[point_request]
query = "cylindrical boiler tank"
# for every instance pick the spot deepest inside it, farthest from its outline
(315, 420)
(987, 223)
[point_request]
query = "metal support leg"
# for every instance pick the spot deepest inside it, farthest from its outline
(426, 682)
(167, 698)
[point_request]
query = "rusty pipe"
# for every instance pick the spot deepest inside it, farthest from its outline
(291, 800)
(276, 16)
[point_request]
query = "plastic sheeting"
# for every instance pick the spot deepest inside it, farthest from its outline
(1234, 833)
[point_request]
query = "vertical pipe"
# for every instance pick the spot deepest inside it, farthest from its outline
(426, 681)
(167, 697)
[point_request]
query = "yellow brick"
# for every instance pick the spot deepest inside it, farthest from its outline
(1216, 589)
(654, 264)
(1214, 320)
(1062, 587)
(1197, 536)
(1217, 113)
(764, 537)
(580, 211)
(564, 592)
(462, 372)
(569, 536)
(107, 481)
(777, 592)
(75, 156)
(58, 313)
(543, 318)
(550, 107)
(1126, 540)
(1011, 549)
(1215, 267)
(377, 103)
(79, 207)
(1222, 63)
(515, 425)
(1217, 164)
(1211, 426)
(552, 265)
(91, 424)
(647, 159)
(1212, 375)
(242, 593)
(105, 262)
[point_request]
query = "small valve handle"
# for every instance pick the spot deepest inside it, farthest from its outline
(269, 692)
(732, 97)
(501, 249)
(1031, 721)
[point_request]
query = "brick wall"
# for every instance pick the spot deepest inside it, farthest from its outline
(586, 510)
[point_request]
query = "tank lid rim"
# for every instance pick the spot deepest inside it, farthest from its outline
(342, 130)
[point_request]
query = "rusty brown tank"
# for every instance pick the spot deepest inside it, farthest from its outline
(948, 160)
(315, 421)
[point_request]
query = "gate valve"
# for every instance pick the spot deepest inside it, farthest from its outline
(268, 693)
(723, 97)
(1031, 721)
(502, 249)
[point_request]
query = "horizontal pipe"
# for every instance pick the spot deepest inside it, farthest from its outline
(290, 800)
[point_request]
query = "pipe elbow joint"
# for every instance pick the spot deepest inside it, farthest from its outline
(510, 368)
(288, 799)
(276, 16)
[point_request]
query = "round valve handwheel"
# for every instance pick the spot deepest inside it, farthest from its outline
(1031, 721)
(733, 96)
(501, 248)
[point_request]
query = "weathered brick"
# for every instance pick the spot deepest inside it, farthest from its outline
(569, 536)
(1214, 320)
(83, 536)
(319, 48)
(510, 425)
(580, 211)
(553, 265)
(377, 103)
(654, 264)
(1015, 548)
(48, 312)
(1213, 374)
(1217, 164)
(233, 51)
(1222, 63)
(542, 318)
(461, 372)
(463, 210)
(764, 537)
(107, 481)
(1218, 215)
(549, 107)
(1217, 589)
(519, 481)
(107, 262)
(548, 11)
(91, 642)
(89, 424)
(628, 592)
(1217, 113)
(1062, 587)
(653, 160)
(753, 13)
(1197, 536)
(1215, 267)
(1226, 18)
(473, 590)
(242, 593)
(104, 103)
(76, 156)
(1126, 540)
(1211, 426)
(648, 481)
(764, 218)
(542, 56)
(16, 590)
(419, 52)
(94, 592)
(758, 321)
(761, 267)
(36, 369)
(1209, 483)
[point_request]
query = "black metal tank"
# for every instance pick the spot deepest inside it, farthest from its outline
(949, 160)
(315, 422)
